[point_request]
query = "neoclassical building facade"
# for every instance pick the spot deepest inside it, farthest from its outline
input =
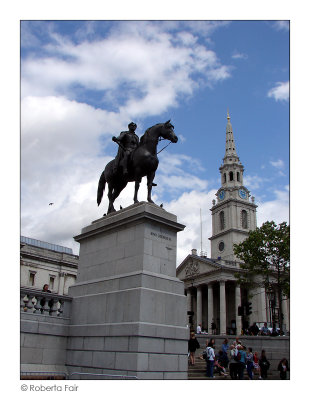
(45, 263)
(213, 293)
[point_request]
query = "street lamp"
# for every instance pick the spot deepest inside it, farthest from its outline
(271, 303)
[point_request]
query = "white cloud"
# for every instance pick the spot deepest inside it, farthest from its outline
(279, 164)
(141, 56)
(280, 92)
(187, 208)
(254, 181)
(237, 55)
(275, 210)
(282, 25)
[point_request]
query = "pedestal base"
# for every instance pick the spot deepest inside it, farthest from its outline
(129, 309)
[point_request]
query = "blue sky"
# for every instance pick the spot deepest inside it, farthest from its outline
(83, 82)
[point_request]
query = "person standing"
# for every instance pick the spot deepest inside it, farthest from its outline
(233, 363)
(249, 363)
(283, 368)
(198, 329)
(256, 364)
(193, 345)
(210, 359)
(242, 361)
(264, 365)
(225, 349)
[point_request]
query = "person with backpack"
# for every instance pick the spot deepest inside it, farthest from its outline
(209, 356)
(264, 365)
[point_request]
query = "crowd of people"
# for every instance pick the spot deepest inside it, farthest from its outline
(234, 360)
(254, 330)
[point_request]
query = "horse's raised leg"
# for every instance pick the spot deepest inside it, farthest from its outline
(150, 179)
(137, 185)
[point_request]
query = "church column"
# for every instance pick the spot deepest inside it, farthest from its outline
(285, 315)
(222, 308)
(210, 307)
(199, 305)
(262, 306)
(189, 299)
(237, 304)
(61, 283)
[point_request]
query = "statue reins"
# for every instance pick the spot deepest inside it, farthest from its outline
(160, 139)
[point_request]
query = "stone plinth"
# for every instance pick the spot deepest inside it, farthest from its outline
(128, 308)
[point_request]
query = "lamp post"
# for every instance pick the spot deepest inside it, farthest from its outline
(271, 303)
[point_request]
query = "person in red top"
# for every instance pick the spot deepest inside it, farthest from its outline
(256, 363)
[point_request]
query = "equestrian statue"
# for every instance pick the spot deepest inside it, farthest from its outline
(135, 159)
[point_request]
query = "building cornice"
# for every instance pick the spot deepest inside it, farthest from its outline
(51, 260)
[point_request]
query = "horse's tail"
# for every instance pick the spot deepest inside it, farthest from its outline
(101, 187)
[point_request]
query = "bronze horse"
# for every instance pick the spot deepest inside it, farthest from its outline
(143, 162)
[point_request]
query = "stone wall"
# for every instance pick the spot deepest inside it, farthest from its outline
(44, 330)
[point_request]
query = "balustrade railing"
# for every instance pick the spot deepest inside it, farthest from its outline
(43, 303)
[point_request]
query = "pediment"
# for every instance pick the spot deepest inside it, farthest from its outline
(192, 267)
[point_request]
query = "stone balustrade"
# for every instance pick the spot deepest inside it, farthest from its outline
(34, 301)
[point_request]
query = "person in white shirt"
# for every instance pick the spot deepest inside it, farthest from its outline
(210, 359)
(198, 329)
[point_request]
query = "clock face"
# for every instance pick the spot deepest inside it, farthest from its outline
(221, 246)
(222, 195)
(242, 194)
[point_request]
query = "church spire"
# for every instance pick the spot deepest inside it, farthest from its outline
(230, 150)
(231, 169)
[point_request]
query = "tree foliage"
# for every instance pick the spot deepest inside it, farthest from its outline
(265, 255)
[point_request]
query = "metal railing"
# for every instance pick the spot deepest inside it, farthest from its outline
(40, 375)
(55, 375)
(111, 376)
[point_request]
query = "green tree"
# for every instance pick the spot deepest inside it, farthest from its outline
(265, 259)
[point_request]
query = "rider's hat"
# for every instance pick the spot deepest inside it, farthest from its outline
(132, 124)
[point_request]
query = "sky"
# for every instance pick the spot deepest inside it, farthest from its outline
(68, 88)
(82, 82)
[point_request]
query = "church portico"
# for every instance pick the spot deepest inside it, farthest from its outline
(214, 300)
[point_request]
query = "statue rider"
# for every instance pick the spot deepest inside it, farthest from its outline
(127, 141)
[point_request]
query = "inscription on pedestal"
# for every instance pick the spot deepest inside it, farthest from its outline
(161, 236)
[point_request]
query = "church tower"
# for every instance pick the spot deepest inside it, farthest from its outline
(234, 212)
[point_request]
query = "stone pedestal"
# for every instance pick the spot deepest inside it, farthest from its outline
(128, 308)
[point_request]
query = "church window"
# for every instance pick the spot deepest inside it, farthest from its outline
(244, 219)
(238, 176)
(52, 282)
(231, 176)
(31, 278)
(224, 176)
(222, 220)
